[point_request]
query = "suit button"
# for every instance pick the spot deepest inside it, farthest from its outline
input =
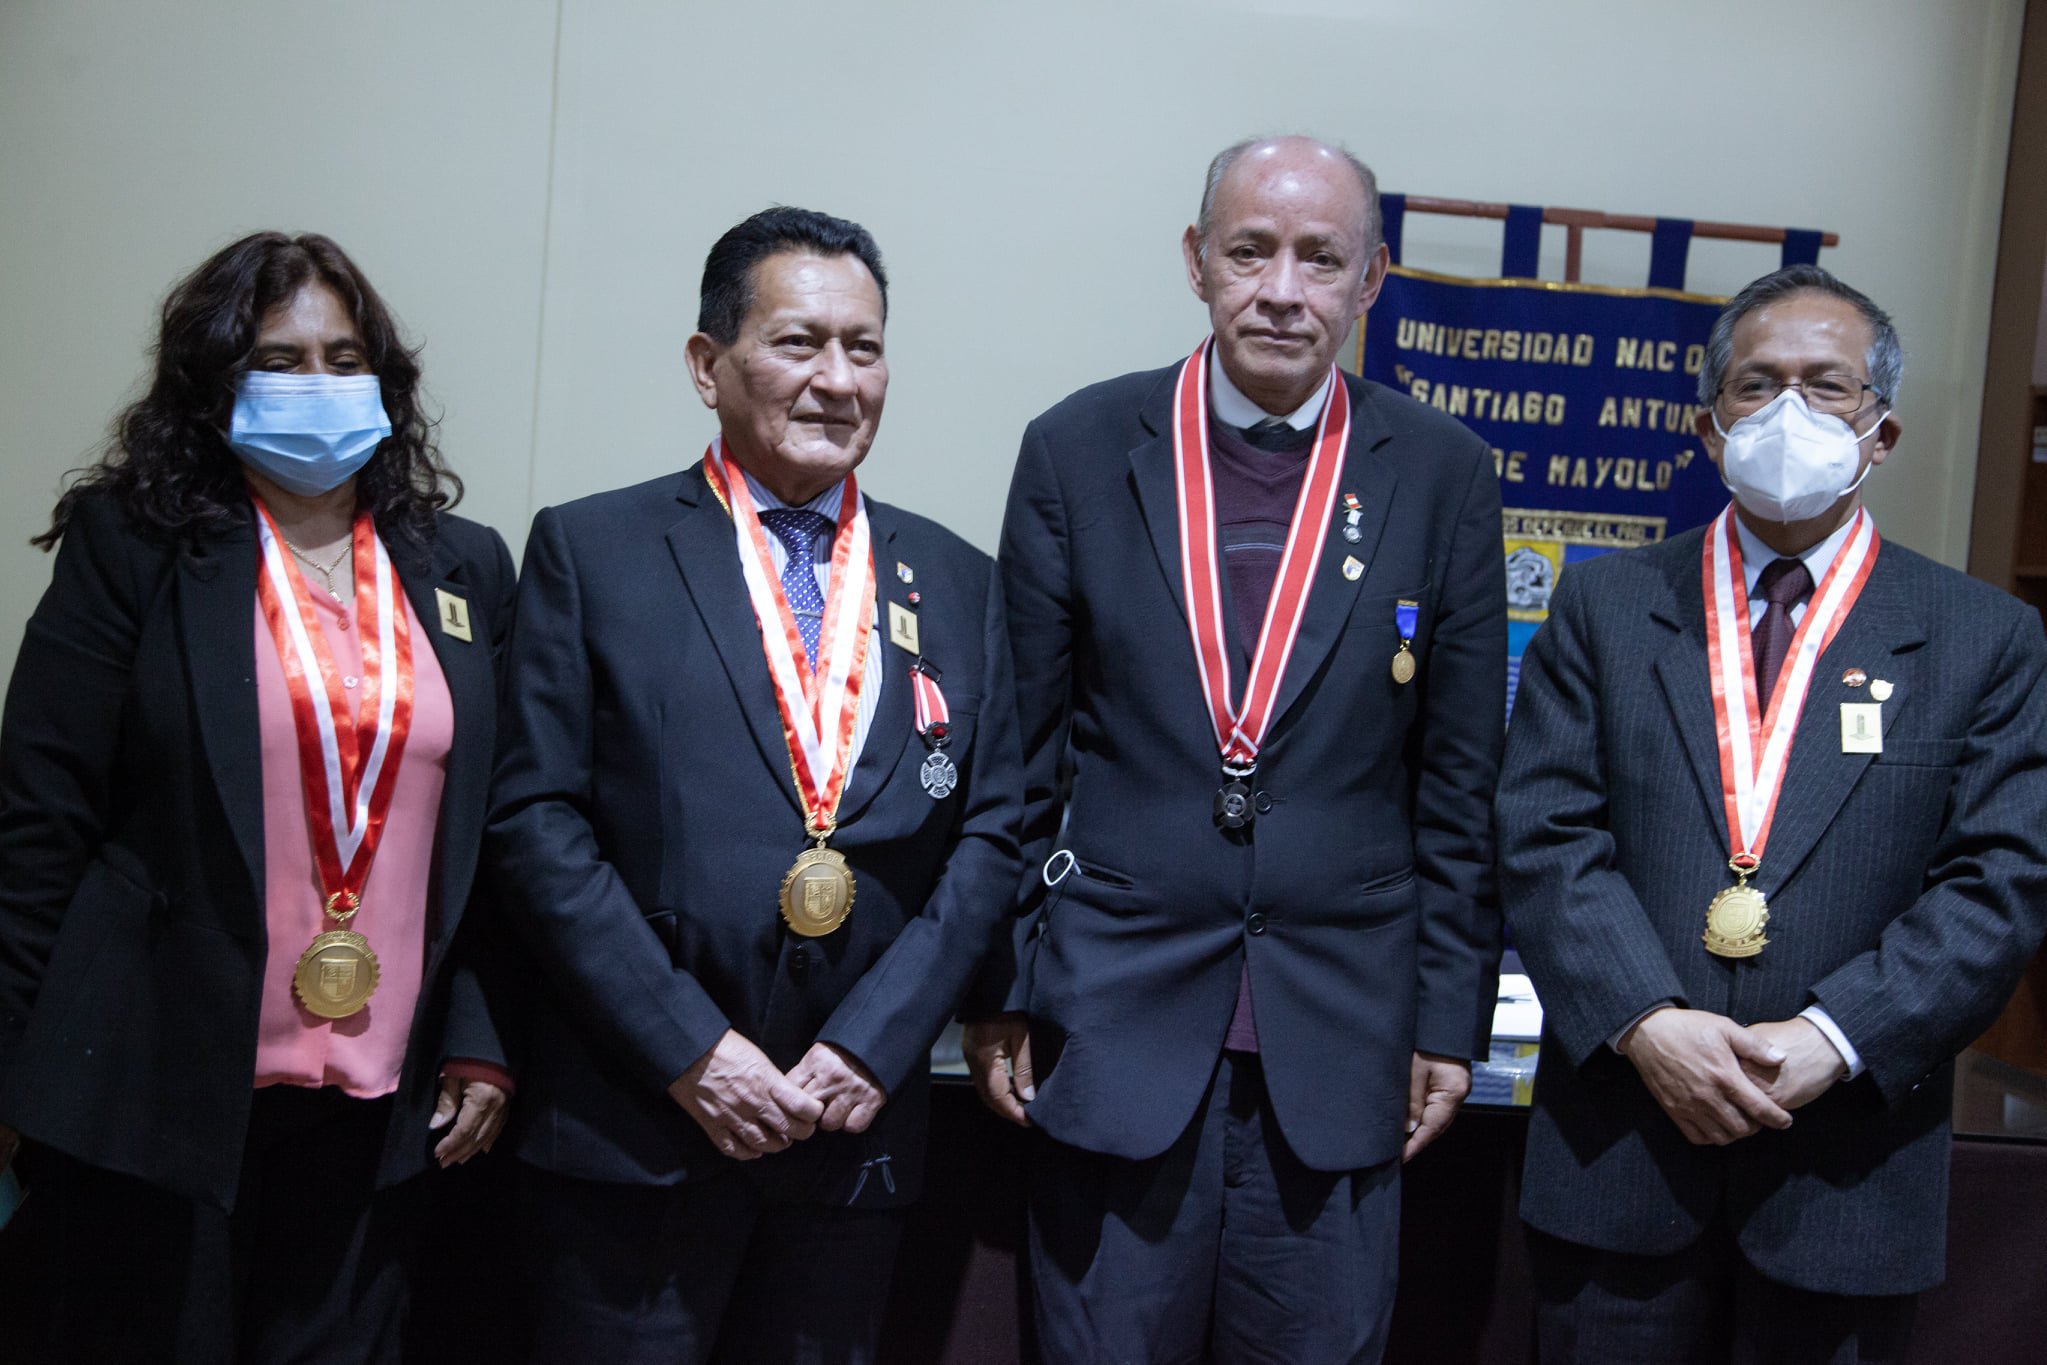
(799, 964)
(1263, 801)
(1254, 923)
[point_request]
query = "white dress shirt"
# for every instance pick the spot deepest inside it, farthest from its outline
(1233, 407)
(1756, 557)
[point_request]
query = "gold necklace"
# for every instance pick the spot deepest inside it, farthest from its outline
(325, 571)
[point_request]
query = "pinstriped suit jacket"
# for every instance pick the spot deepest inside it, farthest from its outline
(1906, 894)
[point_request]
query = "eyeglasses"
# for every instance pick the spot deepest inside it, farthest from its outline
(1836, 395)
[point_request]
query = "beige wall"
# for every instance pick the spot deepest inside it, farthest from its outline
(534, 184)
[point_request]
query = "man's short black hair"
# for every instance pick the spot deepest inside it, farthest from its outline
(727, 290)
(1886, 357)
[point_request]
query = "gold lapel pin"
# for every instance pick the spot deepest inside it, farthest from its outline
(454, 616)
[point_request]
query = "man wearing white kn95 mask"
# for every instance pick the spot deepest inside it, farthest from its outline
(1771, 848)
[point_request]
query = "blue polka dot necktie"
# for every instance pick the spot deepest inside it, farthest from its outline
(798, 529)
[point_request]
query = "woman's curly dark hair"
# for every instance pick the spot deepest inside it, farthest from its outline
(167, 460)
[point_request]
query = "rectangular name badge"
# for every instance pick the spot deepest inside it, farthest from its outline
(1862, 727)
(902, 627)
(454, 614)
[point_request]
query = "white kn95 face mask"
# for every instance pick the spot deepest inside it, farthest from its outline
(1784, 462)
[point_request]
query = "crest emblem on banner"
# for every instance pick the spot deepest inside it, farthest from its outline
(1531, 577)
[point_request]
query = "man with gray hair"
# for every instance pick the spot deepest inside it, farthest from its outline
(1771, 849)
(1257, 609)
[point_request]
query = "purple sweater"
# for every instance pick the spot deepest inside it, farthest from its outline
(1257, 480)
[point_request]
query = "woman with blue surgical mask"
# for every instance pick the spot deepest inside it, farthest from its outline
(243, 772)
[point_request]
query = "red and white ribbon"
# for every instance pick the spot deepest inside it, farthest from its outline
(1240, 732)
(819, 706)
(349, 763)
(1755, 733)
(932, 714)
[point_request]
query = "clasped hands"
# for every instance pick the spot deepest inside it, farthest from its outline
(1720, 1082)
(748, 1108)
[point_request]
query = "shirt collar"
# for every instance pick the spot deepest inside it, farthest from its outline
(1233, 407)
(1756, 556)
(825, 504)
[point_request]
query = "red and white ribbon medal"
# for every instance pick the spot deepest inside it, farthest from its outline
(1755, 733)
(1240, 731)
(818, 707)
(934, 727)
(348, 761)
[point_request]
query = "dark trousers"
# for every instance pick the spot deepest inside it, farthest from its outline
(312, 1266)
(708, 1271)
(1224, 1247)
(1705, 1305)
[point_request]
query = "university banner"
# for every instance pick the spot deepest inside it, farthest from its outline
(1587, 395)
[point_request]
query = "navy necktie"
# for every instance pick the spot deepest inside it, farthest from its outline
(1271, 433)
(798, 529)
(1783, 583)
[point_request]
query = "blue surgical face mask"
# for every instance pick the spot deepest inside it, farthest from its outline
(308, 432)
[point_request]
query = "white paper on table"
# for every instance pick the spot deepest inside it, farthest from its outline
(1518, 1014)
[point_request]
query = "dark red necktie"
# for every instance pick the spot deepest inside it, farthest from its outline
(1783, 584)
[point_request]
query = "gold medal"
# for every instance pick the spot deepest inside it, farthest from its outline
(817, 895)
(1736, 917)
(1403, 664)
(337, 975)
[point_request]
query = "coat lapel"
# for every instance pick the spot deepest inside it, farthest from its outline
(701, 541)
(1368, 475)
(1879, 636)
(895, 712)
(1158, 494)
(466, 667)
(1684, 674)
(217, 615)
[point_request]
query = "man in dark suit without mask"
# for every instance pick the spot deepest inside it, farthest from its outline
(1271, 945)
(726, 1105)
(1754, 988)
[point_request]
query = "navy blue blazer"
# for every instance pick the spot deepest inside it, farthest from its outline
(644, 816)
(132, 936)
(1362, 894)
(1906, 894)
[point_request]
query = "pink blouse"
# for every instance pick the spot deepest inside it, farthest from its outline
(361, 1054)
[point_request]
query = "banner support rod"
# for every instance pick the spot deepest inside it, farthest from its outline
(1577, 220)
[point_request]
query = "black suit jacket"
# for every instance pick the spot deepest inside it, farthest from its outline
(644, 816)
(132, 935)
(1362, 896)
(1906, 892)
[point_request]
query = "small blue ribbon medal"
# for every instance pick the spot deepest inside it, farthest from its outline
(1405, 615)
